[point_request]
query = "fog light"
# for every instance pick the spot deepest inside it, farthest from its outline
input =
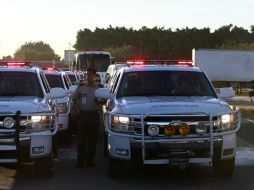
(8, 122)
(153, 130)
(122, 152)
(201, 128)
(184, 129)
(169, 130)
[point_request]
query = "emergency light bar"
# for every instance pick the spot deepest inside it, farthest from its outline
(18, 64)
(14, 63)
(162, 62)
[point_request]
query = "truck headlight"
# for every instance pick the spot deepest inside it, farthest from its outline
(227, 122)
(120, 119)
(225, 119)
(38, 118)
(62, 108)
(121, 124)
(40, 122)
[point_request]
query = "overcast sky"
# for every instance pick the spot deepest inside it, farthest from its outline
(56, 22)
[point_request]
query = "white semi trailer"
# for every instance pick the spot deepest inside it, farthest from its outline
(225, 65)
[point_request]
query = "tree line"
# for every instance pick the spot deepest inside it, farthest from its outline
(160, 43)
(145, 43)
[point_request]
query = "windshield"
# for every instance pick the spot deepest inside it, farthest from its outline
(165, 83)
(99, 62)
(20, 84)
(72, 78)
(55, 81)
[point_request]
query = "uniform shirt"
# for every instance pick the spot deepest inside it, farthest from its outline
(84, 97)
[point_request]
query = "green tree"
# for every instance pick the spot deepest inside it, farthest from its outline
(8, 57)
(160, 43)
(36, 51)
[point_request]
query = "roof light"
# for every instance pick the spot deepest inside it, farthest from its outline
(185, 62)
(160, 62)
(135, 62)
(50, 68)
(16, 64)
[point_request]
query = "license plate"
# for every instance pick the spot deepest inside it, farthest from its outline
(38, 149)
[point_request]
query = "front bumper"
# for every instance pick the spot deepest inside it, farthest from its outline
(27, 149)
(18, 144)
(166, 151)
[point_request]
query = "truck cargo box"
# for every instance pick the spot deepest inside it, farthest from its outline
(225, 64)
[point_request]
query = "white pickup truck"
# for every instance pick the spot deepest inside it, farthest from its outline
(28, 119)
(163, 112)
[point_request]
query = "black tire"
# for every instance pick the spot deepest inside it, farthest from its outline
(224, 168)
(44, 167)
(115, 167)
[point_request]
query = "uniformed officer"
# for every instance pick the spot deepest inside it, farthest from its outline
(88, 120)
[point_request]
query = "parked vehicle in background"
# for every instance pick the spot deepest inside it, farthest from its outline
(96, 59)
(73, 76)
(112, 70)
(229, 67)
(167, 112)
(57, 78)
(28, 119)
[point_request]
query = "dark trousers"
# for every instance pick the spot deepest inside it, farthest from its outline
(87, 132)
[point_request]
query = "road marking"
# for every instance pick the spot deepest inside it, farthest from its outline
(244, 155)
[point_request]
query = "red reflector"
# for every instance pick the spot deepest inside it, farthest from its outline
(16, 64)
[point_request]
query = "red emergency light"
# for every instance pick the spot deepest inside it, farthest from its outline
(14, 63)
(183, 61)
(135, 62)
(161, 62)
(50, 68)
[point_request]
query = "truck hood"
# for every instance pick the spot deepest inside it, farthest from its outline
(170, 105)
(23, 104)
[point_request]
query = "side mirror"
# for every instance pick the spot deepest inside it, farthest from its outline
(103, 93)
(72, 89)
(57, 93)
(225, 92)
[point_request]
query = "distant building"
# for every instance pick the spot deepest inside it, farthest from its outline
(69, 56)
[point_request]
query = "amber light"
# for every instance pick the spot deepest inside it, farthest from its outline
(184, 129)
(170, 130)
